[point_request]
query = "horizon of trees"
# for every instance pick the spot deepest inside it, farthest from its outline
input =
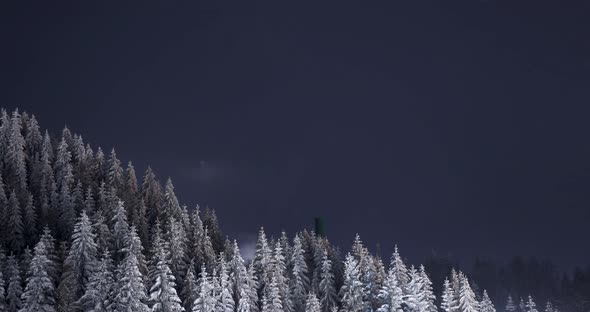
(79, 232)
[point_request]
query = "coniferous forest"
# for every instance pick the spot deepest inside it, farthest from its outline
(80, 231)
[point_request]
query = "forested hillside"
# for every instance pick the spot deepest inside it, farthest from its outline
(79, 232)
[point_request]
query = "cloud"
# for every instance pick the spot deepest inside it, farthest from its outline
(247, 244)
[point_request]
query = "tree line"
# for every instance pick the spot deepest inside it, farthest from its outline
(79, 232)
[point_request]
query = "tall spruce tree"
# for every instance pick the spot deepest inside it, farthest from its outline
(530, 305)
(39, 294)
(262, 260)
(398, 267)
(4, 213)
(299, 279)
(100, 288)
(131, 293)
(115, 175)
(549, 306)
(467, 301)
(351, 293)
(15, 158)
(225, 301)
(510, 306)
(14, 289)
(447, 297)
(391, 295)
(190, 288)
(151, 194)
(328, 294)
(2, 293)
(120, 230)
(427, 296)
(15, 230)
(30, 222)
(163, 296)
(486, 304)
(81, 260)
(206, 301)
(312, 304)
(212, 224)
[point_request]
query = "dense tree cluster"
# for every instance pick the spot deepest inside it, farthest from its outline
(79, 232)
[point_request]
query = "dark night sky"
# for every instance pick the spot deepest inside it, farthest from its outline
(460, 126)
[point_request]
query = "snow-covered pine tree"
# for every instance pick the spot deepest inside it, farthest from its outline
(327, 289)
(249, 288)
(78, 198)
(151, 195)
(4, 212)
(53, 269)
(549, 306)
(379, 278)
(25, 262)
(522, 305)
(82, 257)
(2, 292)
(244, 287)
(398, 268)
(177, 242)
(244, 304)
(30, 221)
(104, 238)
(140, 222)
(15, 170)
(467, 301)
(279, 272)
(262, 260)
(63, 167)
(530, 305)
(427, 296)
(351, 293)
(190, 288)
(130, 192)
(412, 299)
(89, 203)
(312, 304)
(447, 297)
(201, 249)
(46, 180)
(39, 294)
(115, 175)
(286, 248)
(99, 291)
(98, 167)
(510, 306)
(225, 300)
(33, 137)
(14, 230)
(298, 278)
(456, 278)
(163, 296)
(14, 288)
(486, 304)
(171, 209)
(206, 301)
(210, 222)
(317, 249)
(4, 132)
(272, 297)
(120, 231)
(391, 295)
(131, 293)
(66, 213)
